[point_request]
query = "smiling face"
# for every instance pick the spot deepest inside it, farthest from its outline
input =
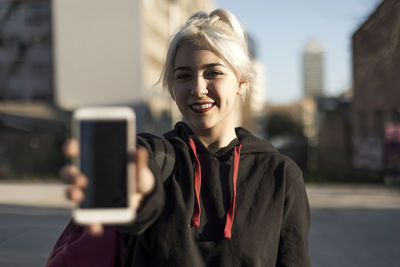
(205, 89)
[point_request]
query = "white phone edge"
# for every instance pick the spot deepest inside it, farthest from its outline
(108, 215)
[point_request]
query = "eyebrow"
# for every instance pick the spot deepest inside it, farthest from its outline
(202, 67)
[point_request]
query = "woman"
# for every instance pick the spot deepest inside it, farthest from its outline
(231, 199)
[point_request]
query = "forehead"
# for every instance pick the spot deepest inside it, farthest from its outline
(196, 56)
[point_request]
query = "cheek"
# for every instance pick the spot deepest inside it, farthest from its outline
(175, 90)
(178, 89)
(179, 97)
(227, 91)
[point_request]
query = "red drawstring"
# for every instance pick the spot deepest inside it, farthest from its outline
(197, 186)
(231, 212)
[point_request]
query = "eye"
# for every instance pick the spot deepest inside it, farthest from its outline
(213, 74)
(182, 75)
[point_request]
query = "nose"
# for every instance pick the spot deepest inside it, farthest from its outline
(199, 86)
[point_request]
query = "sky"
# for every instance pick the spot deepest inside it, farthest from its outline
(281, 28)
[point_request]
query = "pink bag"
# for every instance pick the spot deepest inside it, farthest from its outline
(75, 248)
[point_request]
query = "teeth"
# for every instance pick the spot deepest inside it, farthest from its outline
(200, 107)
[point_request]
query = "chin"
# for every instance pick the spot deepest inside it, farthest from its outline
(201, 126)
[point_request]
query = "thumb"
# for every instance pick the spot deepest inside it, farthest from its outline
(145, 180)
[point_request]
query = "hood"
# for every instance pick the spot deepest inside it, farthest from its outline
(246, 143)
(250, 143)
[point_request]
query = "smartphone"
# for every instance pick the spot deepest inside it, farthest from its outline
(106, 135)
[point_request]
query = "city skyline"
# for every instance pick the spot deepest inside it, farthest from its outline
(281, 29)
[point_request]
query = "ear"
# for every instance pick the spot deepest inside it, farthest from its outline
(242, 86)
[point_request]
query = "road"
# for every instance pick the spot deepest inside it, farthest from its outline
(28, 233)
(351, 225)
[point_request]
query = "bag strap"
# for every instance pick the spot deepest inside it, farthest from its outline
(165, 159)
(164, 156)
(163, 152)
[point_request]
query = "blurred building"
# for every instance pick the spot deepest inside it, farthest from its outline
(304, 112)
(25, 51)
(313, 69)
(326, 124)
(123, 44)
(32, 126)
(31, 137)
(376, 64)
(299, 146)
(334, 150)
(32, 118)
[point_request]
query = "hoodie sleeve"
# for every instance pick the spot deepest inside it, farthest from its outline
(152, 205)
(293, 244)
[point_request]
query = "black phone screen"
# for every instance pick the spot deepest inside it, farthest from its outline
(103, 159)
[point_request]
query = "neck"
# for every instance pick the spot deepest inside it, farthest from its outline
(215, 139)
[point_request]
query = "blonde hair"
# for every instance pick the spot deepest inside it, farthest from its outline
(220, 32)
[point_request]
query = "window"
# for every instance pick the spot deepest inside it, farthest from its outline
(40, 40)
(42, 96)
(378, 123)
(37, 13)
(3, 10)
(40, 70)
(15, 12)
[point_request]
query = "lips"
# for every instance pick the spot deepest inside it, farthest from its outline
(202, 107)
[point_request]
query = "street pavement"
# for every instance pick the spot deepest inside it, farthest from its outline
(351, 225)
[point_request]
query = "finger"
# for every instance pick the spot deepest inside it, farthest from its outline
(72, 175)
(144, 177)
(145, 181)
(80, 181)
(96, 229)
(141, 157)
(136, 200)
(66, 171)
(75, 194)
(71, 148)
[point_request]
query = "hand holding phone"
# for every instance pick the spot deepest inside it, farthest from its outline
(106, 137)
(71, 174)
(80, 179)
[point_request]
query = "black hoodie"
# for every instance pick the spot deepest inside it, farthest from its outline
(268, 216)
